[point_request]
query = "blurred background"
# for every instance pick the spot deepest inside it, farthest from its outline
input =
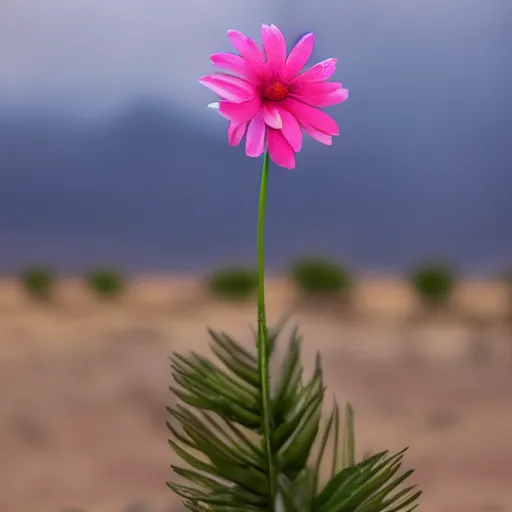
(127, 225)
(108, 151)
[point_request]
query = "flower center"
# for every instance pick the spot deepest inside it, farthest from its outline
(277, 91)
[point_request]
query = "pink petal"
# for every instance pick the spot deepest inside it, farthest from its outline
(237, 65)
(315, 88)
(271, 116)
(307, 115)
(300, 55)
(323, 100)
(240, 112)
(236, 133)
(291, 129)
(229, 87)
(275, 47)
(255, 140)
(279, 150)
(321, 71)
(248, 49)
(318, 135)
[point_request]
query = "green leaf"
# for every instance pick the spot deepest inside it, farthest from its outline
(335, 449)
(364, 487)
(291, 373)
(216, 430)
(294, 454)
(297, 495)
(233, 357)
(214, 376)
(349, 439)
(306, 398)
(335, 487)
(247, 447)
(323, 444)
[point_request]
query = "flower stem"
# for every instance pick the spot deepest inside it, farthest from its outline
(263, 347)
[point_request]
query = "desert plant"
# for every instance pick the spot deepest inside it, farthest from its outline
(38, 282)
(216, 429)
(315, 276)
(246, 439)
(237, 283)
(106, 283)
(433, 282)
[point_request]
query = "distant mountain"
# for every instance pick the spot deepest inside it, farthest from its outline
(151, 191)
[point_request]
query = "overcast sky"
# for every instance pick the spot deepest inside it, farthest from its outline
(100, 52)
(428, 124)
(105, 49)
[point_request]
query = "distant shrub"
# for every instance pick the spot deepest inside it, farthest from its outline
(433, 282)
(236, 283)
(320, 277)
(506, 278)
(38, 282)
(106, 283)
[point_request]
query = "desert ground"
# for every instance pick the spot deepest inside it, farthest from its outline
(84, 385)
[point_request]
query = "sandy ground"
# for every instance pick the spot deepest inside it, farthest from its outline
(84, 385)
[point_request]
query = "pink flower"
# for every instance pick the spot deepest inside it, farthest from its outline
(267, 98)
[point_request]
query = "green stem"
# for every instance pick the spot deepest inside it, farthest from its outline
(263, 347)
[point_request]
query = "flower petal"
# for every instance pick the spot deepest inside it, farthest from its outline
(315, 88)
(307, 115)
(328, 99)
(248, 49)
(239, 112)
(275, 47)
(237, 65)
(291, 129)
(318, 135)
(321, 71)
(255, 140)
(334, 98)
(279, 150)
(300, 55)
(229, 87)
(236, 132)
(271, 116)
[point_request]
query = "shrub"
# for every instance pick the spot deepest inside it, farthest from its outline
(38, 282)
(106, 283)
(320, 277)
(506, 278)
(233, 283)
(433, 282)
